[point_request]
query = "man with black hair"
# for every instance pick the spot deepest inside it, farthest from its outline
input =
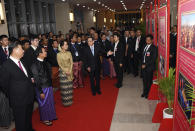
(29, 55)
(76, 52)
(5, 110)
(118, 57)
(25, 45)
(148, 64)
(173, 47)
(16, 82)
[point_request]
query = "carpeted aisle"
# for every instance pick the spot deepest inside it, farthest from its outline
(88, 113)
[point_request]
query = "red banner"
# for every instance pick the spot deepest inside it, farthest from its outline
(163, 43)
(185, 73)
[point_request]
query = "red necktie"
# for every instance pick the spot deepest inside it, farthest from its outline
(20, 66)
(5, 50)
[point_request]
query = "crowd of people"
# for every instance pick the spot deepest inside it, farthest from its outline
(31, 67)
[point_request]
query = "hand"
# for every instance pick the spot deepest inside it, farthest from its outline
(110, 53)
(143, 66)
(131, 55)
(32, 79)
(42, 95)
(89, 69)
(121, 65)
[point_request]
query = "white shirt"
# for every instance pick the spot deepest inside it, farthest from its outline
(92, 49)
(39, 59)
(34, 48)
(145, 51)
(115, 47)
(16, 62)
(137, 43)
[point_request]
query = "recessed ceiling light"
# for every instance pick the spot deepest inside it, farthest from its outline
(83, 6)
(121, 1)
(78, 4)
(102, 4)
(63, 0)
(94, 0)
(106, 6)
(99, 2)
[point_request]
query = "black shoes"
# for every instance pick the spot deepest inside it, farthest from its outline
(94, 94)
(118, 85)
(142, 95)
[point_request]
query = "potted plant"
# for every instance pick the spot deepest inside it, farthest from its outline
(167, 87)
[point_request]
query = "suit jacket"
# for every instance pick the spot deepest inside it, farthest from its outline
(73, 50)
(106, 46)
(142, 44)
(150, 58)
(125, 43)
(173, 44)
(16, 84)
(93, 61)
(52, 57)
(131, 47)
(3, 56)
(119, 53)
(29, 57)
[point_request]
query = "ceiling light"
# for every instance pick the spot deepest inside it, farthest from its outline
(99, 3)
(102, 4)
(83, 6)
(94, 0)
(78, 4)
(121, 1)
(63, 0)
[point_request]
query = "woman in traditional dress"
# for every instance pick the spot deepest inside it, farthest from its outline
(65, 63)
(112, 70)
(42, 79)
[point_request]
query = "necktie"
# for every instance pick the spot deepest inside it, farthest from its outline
(5, 50)
(92, 50)
(20, 66)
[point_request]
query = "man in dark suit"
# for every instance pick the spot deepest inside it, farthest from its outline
(148, 64)
(131, 50)
(4, 49)
(52, 60)
(77, 63)
(16, 81)
(173, 47)
(137, 51)
(118, 56)
(93, 64)
(106, 45)
(125, 40)
(29, 56)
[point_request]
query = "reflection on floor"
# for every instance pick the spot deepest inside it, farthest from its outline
(133, 113)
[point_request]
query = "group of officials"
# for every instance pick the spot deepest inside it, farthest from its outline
(126, 52)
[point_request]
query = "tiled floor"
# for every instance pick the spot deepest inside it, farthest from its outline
(133, 113)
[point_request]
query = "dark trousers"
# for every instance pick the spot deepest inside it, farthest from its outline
(147, 81)
(126, 67)
(119, 73)
(135, 63)
(95, 80)
(23, 117)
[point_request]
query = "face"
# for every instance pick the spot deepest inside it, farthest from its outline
(43, 54)
(138, 33)
(174, 29)
(65, 46)
(116, 38)
(55, 44)
(148, 40)
(4, 42)
(127, 33)
(112, 39)
(132, 33)
(35, 42)
(74, 39)
(103, 37)
(83, 38)
(90, 41)
(18, 51)
(79, 39)
(26, 45)
(96, 36)
(54, 37)
(92, 31)
(50, 34)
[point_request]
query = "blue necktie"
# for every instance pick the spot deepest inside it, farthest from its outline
(92, 50)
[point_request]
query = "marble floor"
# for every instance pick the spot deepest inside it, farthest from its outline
(133, 113)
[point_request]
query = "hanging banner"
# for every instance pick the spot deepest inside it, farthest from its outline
(163, 43)
(185, 74)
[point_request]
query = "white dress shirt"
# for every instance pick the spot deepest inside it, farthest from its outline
(34, 48)
(16, 62)
(137, 43)
(145, 51)
(7, 48)
(115, 47)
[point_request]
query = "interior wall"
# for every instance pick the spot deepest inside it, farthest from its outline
(173, 12)
(62, 10)
(88, 20)
(3, 27)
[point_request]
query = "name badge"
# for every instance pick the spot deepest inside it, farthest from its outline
(148, 54)
(76, 53)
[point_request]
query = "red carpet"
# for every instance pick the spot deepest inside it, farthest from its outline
(158, 114)
(166, 125)
(88, 113)
(154, 93)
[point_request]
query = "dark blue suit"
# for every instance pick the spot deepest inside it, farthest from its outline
(3, 56)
